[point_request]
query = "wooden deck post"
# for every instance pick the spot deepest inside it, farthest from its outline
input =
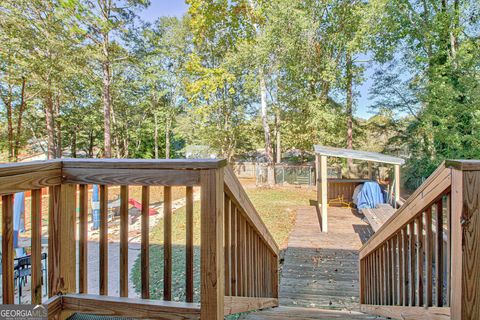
(211, 230)
(397, 184)
(321, 164)
(61, 240)
(465, 231)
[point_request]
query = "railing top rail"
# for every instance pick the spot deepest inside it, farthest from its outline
(177, 164)
(465, 165)
(238, 195)
(429, 191)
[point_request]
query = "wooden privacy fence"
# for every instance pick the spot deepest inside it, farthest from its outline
(425, 261)
(239, 258)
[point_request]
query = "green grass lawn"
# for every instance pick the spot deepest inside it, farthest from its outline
(276, 206)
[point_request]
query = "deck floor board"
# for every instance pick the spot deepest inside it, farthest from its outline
(319, 277)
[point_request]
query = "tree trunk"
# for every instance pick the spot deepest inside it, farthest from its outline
(107, 152)
(155, 135)
(167, 139)
(8, 104)
(278, 138)
(19, 122)
(349, 111)
(264, 112)
(59, 151)
(73, 144)
(50, 122)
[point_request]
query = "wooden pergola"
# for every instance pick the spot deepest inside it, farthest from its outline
(321, 155)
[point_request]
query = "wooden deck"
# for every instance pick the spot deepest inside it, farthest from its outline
(320, 270)
(379, 215)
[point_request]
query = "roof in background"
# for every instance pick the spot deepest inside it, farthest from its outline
(358, 155)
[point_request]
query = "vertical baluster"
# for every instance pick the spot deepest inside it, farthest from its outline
(7, 249)
(36, 257)
(239, 254)
(167, 244)
(420, 258)
(244, 257)
(145, 244)
(405, 265)
(394, 269)
(448, 259)
(401, 270)
(376, 278)
(428, 256)
(189, 244)
(226, 204)
(275, 276)
(233, 250)
(247, 259)
(103, 240)
(411, 282)
(83, 239)
(124, 241)
(439, 254)
(389, 273)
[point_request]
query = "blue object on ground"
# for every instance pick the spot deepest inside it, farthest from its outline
(18, 215)
(95, 208)
(370, 196)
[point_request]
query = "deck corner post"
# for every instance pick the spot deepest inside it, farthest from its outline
(465, 248)
(322, 199)
(212, 236)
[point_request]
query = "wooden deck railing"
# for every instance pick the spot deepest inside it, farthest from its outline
(239, 258)
(425, 261)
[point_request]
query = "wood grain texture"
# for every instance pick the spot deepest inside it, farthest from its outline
(145, 244)
(54, 224)
(167, 244)
(227, 257)
(132, 176)
(28, 181)
(420, 256)
(7, 249)
(189, 245)
(211, 235)
(18, 168)
(428, 258)
(83, 239)
(244, 304)
(233, 249)
(103, 252)
(470, 230)
(124, 196)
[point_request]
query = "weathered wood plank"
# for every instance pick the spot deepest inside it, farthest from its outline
(244, 304)
(54, 224)
(429, 257)
(408, 313)
(227, 257)
(439, 254)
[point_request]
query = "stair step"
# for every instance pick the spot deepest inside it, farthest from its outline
(285, 313)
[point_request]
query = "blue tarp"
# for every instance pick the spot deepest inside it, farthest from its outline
(370, 196)
(95, 208)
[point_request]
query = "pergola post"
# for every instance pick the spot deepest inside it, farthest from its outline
(397, 183)
(370, 170)
(321, 169)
